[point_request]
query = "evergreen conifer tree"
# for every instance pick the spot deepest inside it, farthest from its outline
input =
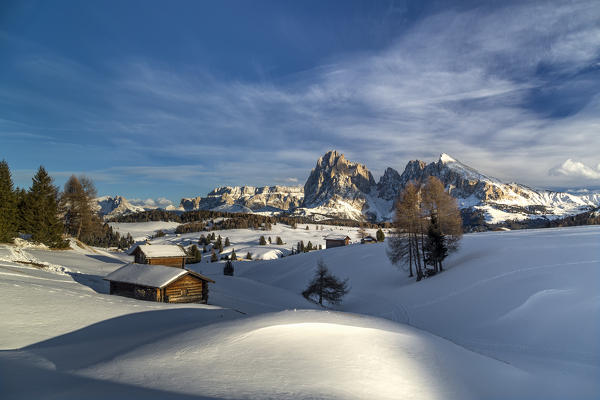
(233, 255)
(325, 286)
(279, 241)
(42, 202)
(8, 205)
(23, 212)
(435, 245)
(227, 242)
(248, 256)
(213, 257)
(228, 268)
(262, 241)
(380, 236)
(194, 255)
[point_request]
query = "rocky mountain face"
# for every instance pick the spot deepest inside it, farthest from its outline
(490, 200)
(389, 185)
(252, 199)
(338, 188)
(108, 206)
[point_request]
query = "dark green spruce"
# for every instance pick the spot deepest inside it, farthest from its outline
(8, 205)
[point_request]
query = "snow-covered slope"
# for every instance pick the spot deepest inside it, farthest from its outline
(515, 315)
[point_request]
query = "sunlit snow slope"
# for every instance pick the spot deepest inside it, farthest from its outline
(515, 315)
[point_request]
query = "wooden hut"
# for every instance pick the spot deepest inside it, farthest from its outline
(159, 254)
(368, 239)
(159, 283)
(336, 240)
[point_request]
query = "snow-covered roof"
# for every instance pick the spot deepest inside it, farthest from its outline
(161, 250)
(157, 276)
(336, 236)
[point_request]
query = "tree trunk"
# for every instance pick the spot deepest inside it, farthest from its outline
(410, 260)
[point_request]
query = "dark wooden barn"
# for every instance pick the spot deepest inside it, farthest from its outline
(159, 283)
(159, 254)
(336, 240)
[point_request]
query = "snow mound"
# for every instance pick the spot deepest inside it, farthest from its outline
(309, 354)
(18, 255)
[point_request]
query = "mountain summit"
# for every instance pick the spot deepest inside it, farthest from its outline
(339, 188)
(336, 183)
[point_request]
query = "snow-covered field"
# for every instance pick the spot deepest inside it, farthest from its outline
(242, 240)
(515, 315)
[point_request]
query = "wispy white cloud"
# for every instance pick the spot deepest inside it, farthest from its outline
(463, 83)
(149, 202)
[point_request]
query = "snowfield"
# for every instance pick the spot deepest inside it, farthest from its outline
(516, 315)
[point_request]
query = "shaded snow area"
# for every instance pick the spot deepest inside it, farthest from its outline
(516, 315)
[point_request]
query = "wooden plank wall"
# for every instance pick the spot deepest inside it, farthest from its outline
(187, 289)
(178, 262)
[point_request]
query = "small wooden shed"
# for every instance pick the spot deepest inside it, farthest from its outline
(336, 240)
(159, 254)
(159, 283)
(368, 239)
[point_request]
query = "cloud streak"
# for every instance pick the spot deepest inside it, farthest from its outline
(471, 83)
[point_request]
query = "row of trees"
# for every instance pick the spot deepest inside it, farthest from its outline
(45, 214)
(427, 226)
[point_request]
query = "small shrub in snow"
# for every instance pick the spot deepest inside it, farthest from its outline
(228, 268)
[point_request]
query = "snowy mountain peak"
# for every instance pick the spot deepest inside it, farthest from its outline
(337, 187)
(113, 206)
(445, 159)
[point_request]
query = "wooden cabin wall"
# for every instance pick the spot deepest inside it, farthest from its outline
(133, 291)
(178, 262)
(187, 289)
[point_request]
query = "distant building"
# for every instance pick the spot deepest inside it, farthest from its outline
(159, 254)
(368, 239)
(159, 283)
(336, 240)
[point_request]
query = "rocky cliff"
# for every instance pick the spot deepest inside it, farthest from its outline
(339, 188)
(257, 199)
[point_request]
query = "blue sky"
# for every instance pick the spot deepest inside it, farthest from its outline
(170, 99)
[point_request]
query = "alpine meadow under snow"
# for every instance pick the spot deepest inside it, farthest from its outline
(514, 315)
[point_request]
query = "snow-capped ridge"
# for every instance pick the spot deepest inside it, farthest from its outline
(445, 158)
(340, 188)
